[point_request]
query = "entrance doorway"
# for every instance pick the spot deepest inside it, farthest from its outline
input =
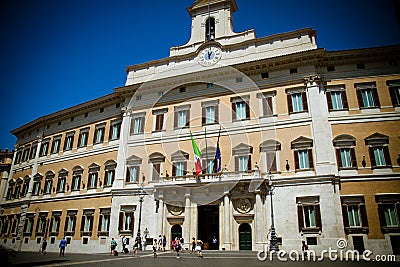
(208, 227)
(245, 237)
(176, 231)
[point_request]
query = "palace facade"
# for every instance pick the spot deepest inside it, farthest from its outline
(318, 129)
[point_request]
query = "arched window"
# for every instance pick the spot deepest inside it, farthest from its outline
(210, 29)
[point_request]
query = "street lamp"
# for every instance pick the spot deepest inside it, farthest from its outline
(138, 237)
(273, 244)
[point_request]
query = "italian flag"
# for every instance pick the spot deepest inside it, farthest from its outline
(197, 156)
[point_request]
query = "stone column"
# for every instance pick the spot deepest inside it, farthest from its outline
(5, 180)
(187, 222)
(35, 166)
(122, 150)
(227, 223)
(325, 160)
(260, 223)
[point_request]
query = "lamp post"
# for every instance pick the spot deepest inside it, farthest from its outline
(273, 244)
(138, 237)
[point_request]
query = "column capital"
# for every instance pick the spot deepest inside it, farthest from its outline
(315, 79)
(39, 137)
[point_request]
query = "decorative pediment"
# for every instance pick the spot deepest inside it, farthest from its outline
(180, 156)
(133, 160)
(156, 157)
(301, 142)
(63, 172)
(344, 140)
(209, 152)
(242, 149)
(270, 145)
(377, 139)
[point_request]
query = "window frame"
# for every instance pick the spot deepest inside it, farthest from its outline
(367, 87)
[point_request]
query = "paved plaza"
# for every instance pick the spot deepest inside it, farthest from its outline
(211, 259)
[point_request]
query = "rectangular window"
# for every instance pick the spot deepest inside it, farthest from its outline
(309, 216)
(33, 151)
(92, 180)
(83, 138)
(69, 140)
(156, 170)
(132, 174)
(109, 179)
(210, 114)
(137, 125)
(267, 106)
(179, 169)
(395, 95)
(345, 157)
(56, 146)
(182, 120)
(44, 148)
(36, 188)
(379, 156)
(26, 154)
(208, 165)
(76, 182)
(47, 186)
(240, 110)
(115, 129)
(367, 95)
(353, 214)
(98, 135)
(61, 184)
(159, 122)
(337, 101)
(105, 224)
(390, 215)
(368, 100)
(303, 159)
(297, 102)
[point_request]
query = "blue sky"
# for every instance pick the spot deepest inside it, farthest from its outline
(56, 54)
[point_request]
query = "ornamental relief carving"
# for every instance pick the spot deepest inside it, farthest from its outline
(243, 205)
(176, 209)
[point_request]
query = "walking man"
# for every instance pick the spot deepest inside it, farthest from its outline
(62, 246)
(113, 245)
(44, 246)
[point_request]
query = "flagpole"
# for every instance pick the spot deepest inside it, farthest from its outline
(205, 137)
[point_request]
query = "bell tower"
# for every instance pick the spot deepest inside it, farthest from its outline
(211, 20)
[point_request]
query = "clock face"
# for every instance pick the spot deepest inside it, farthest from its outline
(209, 56)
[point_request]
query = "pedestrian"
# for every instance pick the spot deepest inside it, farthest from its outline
(159, 243)
(62, 246)
(177, 247)
(193, 245)
(113, 245)
(124, 243)
(304, 248)
(199, 243)
(173, 244)
(164, 242)
(182, 242)
(155, 248)
(44, 246)
(215, 243)
(135, 248)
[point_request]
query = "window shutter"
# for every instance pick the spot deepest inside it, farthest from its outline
(66, 223)
(304, 99)
(344, 99)
(216, 112)
(290, 104)
(121, 221)
(46, 228)
(249, 163)
(300, 217)
(363, 214)
(339, 158)
(108, 224)
(91, 224)
(187, 118)
(382, 220)
(233, 111)
(128, 174)
(310, 159)
(353, 158)
(51, 224)
(387, 157)
(173, 169)
(392, 91)
(74, 223)
(83, 223)
(329, 100)
(372, 156)
(247, 110)
(296, 160)
(345, 216)
(95, 135)
(203, 166)
(317, 216)
(236, 163)
(175, 119)
(185, 168)
(398, 213)
(271, 160)
(142, 124)
(203, 115)
(37, 224)
(375, 97)
(359, 98)
(100, 223)
(267, 104)
(131, 224)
